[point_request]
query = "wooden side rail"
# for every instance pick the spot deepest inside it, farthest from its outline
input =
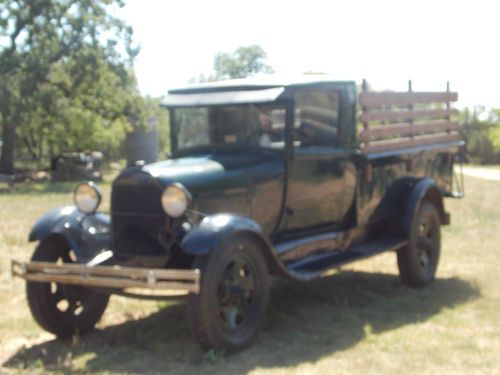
(401, 99)
(392, 145)
(109, 276)
(403, 130)
(395, 120)
(406, 115)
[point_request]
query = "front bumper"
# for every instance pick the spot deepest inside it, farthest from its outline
(172, 281)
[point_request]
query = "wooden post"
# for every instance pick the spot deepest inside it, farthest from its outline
(448, 105)
(364, 88)
(410, 109)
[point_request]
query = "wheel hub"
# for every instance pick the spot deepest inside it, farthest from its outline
(235, 292)
(425, 244)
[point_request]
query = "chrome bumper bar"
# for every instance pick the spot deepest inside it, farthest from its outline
(116, 277)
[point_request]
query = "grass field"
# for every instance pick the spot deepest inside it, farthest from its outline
(360, 320)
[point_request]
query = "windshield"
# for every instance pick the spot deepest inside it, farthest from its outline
(259, 125)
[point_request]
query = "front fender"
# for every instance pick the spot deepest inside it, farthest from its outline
(87, 234)
(214, 230)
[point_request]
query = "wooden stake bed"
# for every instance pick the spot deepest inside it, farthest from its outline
(398, 120)
(115, 277)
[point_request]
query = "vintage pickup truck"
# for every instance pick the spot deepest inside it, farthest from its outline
(264, 178)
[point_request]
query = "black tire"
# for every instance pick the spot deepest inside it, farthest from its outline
(63, 310)
(230, 309)
(418, 260)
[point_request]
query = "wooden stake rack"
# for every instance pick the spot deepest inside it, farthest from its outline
(114, 277)
(398, 120)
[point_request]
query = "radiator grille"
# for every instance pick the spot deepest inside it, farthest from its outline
(137, 215)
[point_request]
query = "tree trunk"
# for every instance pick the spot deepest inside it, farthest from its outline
(9, 137)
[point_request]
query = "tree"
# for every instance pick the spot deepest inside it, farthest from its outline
(52, 53)
(82, 106)
(482, 132)
(244, 62)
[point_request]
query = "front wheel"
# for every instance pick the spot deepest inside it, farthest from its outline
(229, 310)
(418, 260)
(63, 310)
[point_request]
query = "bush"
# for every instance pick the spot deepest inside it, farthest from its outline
(482, 134)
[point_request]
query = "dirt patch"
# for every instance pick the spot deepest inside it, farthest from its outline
(483, 173)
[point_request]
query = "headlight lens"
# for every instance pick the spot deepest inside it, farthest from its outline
(175, 200)
(87, 197)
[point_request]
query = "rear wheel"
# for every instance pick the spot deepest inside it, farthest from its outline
(418, 260)
(229, 310)
(63, 310)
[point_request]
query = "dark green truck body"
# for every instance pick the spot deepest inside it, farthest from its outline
(280, 179)
(295, 193)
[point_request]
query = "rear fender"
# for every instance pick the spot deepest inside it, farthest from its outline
(423, 190)
(87, 234)
(215, 230)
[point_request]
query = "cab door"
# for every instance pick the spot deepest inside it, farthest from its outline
(316, 182)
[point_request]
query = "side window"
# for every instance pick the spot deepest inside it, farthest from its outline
(271, 125)
(316, 118)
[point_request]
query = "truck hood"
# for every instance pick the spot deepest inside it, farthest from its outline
(204, 173)
(219, 182)
(245, 183)
(192, 172)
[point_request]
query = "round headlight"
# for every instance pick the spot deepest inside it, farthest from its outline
(87, 197)
(175, 200)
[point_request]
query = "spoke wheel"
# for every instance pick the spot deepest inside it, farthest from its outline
(235, 293)
(229, 310)
(63, 310)
(418, 260)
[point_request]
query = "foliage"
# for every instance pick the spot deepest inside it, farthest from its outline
(244, 62)
(482, 132)
(65, 79)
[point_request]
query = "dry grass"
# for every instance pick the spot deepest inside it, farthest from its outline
(360, 320)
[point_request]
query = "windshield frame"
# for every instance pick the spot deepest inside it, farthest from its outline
(174, 130)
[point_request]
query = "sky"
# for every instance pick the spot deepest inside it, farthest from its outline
(387, 42)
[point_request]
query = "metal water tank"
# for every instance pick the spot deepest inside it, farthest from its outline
(142, 145)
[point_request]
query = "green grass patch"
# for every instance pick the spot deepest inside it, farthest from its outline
(359, 320)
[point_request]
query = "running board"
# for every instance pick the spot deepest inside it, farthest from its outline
(114, 277)
(315, 265)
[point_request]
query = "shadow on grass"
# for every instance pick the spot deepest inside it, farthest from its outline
(305, 322)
